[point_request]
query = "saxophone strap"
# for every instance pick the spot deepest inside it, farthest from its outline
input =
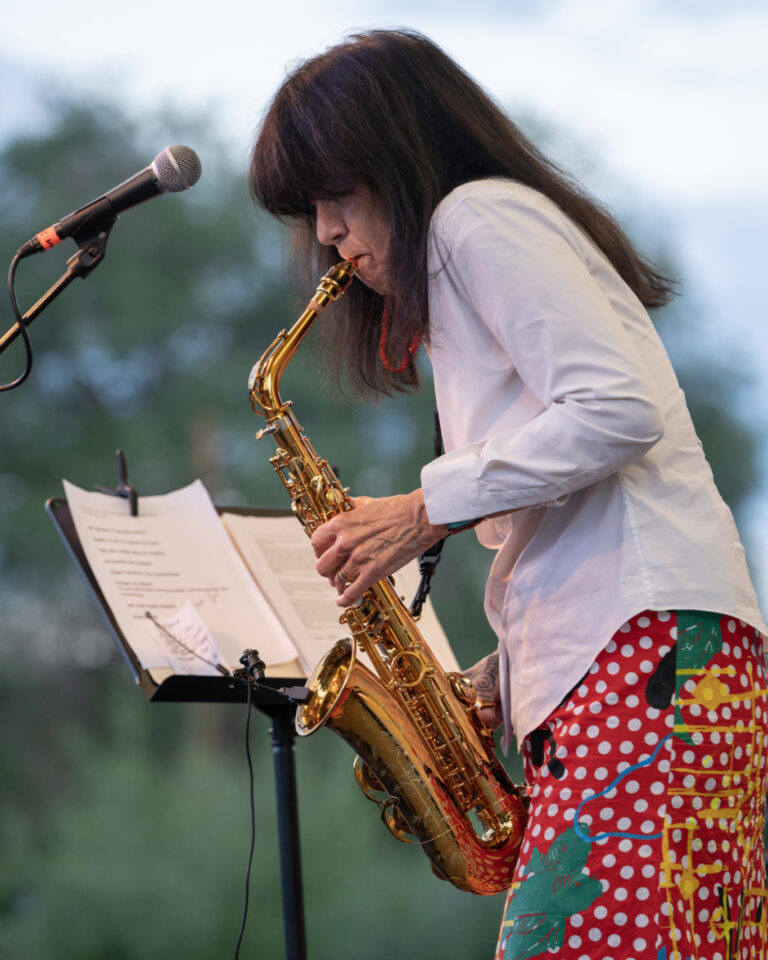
(429, 560)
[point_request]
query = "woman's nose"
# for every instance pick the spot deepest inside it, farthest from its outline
(331, 228)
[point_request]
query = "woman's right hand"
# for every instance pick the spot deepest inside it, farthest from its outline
(485, 678)
(376, 538)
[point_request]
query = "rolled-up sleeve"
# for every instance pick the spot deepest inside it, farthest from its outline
(522, 274)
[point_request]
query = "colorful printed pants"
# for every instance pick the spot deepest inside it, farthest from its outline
(647, 784)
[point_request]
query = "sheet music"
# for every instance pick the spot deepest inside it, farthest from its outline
(280, 556)
(175, 550)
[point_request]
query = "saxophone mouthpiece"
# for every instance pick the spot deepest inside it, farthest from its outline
(334, 284)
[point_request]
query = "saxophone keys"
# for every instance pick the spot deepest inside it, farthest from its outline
(391, 814)
(367, 779)
(463, 688)
(407, 662)
(394, 820)
(334, 498)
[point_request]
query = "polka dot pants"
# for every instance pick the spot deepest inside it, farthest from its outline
(647, 786)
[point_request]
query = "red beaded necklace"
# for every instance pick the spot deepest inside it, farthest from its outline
(412, 347)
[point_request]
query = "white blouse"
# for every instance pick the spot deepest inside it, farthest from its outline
(558, 402)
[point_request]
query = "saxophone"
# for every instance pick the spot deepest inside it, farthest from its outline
(415, 729)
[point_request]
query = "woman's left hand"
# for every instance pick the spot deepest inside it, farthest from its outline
(485, 677)
(378, 536)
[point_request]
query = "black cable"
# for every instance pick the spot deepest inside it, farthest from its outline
(253, 825)
(22, 327)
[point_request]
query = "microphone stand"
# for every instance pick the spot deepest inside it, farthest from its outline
(92, 247)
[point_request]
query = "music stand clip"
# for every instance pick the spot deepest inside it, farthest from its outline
(123, 488)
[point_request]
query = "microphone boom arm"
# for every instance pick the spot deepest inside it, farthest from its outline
(92, 248)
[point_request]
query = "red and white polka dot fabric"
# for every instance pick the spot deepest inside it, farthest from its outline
(647, 785)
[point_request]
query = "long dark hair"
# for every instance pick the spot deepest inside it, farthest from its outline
(389, 109)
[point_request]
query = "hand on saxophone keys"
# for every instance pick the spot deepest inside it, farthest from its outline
(359, 547)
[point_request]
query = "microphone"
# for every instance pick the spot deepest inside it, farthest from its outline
(173, 169)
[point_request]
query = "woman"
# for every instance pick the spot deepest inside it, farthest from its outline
(630, 652)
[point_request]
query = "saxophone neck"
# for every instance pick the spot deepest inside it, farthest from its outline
(264, 381)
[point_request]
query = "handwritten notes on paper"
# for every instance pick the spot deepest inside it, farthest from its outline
(188, 642)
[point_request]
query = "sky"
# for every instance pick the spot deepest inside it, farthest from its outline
(671, 93)
(669, 98)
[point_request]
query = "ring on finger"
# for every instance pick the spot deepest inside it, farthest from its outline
(343, 578)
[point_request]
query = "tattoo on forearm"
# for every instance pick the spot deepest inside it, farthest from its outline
(485, 684)
(486, 681)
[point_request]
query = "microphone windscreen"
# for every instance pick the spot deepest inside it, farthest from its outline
(177, 168)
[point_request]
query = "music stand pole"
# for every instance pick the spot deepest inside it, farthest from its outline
(283, 734)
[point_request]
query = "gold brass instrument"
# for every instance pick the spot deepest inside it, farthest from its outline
(414, 727)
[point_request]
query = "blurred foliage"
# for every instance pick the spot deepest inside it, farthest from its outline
(125, 825)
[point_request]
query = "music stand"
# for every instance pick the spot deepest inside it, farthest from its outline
(220, 689)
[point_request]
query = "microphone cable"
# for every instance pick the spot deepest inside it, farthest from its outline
(22, 327)
(253, 823)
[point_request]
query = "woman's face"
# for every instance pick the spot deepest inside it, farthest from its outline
(355, 224)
